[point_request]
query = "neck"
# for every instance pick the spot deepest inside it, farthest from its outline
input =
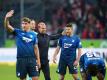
(33, 30)
(70, 35)
(27, 30)
(42, 33)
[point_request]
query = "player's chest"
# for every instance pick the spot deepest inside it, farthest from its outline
(68, 42)
(26, 37)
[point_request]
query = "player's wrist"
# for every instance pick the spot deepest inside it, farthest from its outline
(38, 61)
(77, 60)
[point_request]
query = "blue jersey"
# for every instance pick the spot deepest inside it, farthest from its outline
(91, 58)
(25, 42)
(68, 45)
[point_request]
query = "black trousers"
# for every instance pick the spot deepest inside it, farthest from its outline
(46, 70)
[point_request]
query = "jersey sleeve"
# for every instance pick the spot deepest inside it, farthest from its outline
(16, 31)
(79, 44)
(35, 40)
(81, 63)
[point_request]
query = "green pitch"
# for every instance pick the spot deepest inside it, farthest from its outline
(8, 73)
(86, 43)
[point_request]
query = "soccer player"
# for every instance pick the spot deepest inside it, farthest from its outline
(28, 61)
(91, 64)
(43, 45)
(33, 26)
(34, 29)
(68, 43)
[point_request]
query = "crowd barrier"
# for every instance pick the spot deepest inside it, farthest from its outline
(9, 54)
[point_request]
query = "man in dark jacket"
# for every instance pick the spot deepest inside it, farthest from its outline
(43, 45)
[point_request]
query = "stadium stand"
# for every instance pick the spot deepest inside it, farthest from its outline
(88, 16)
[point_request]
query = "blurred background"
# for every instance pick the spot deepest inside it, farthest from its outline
(87, 16)
(89, 19)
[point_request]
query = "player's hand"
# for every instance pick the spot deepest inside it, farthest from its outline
(10, 14)
(54, 60)
(75, 63)
(63, 32)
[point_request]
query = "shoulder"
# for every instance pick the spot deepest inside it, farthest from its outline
(76, 36)
(82, 59)
(82, 56)
(63, 36)
(16, 29)
(38, 34)
(33, 33)
(46, 34)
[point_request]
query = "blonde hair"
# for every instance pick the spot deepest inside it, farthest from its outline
(26, 19)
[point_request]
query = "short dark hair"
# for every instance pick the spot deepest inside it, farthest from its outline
(69, 25)
(93, 69)
(25, 19)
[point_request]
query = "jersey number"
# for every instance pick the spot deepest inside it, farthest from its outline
(93, 55)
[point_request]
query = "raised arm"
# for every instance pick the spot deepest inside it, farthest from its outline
(6, 21)
(56, 53)
(37, 55)
(57, 36)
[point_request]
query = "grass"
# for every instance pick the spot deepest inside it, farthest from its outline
(85, 43)
(7, 72)
(89, 43)
(9, 43)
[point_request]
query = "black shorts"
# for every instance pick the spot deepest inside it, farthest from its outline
(26, 66)
(62, 66)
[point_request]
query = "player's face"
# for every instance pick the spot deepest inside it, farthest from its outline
(42, 27)
(68, 31)
(33, 25)
(25, 26)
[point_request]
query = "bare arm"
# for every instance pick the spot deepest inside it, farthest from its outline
(78, 58)
(55, 54)
(79, 53)
(37, 55)
(6, 21)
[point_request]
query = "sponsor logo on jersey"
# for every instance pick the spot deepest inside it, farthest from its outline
(67, 45)
(27, 40)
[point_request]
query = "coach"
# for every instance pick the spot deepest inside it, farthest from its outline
(43, 45)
